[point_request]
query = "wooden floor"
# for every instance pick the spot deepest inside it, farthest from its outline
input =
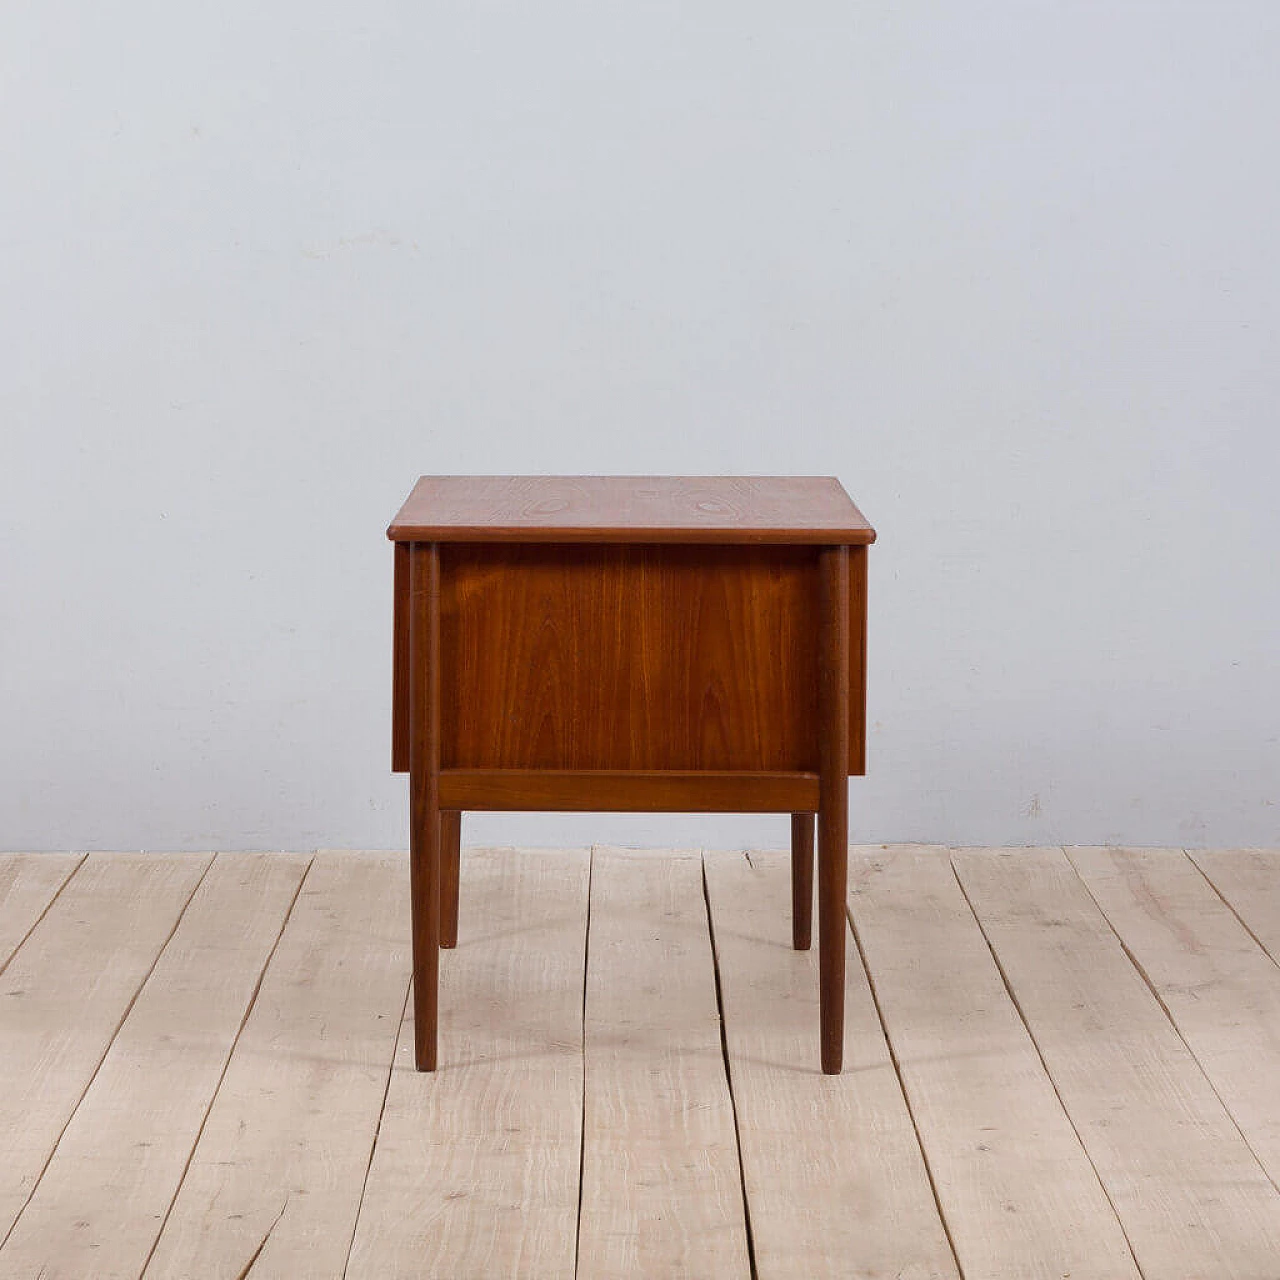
(1058, 1064)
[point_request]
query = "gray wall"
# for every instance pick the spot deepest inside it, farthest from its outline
(1010, 270)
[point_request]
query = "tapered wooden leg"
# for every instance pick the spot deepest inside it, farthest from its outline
(424, 792)
(833, 799)
(450, 848)
(801, 880)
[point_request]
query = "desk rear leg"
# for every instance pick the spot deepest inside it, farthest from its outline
(802, 880)
(450, 850)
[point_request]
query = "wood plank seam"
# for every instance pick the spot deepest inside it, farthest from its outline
(213, 1097)
(476, 1170)
(107, 1047)
(833, 1174)
(47, 906)
(1168, 1013)
(661, 1182)
(902, 1088)
(1226, 902)
(377, 1129)
(1053, 1084)
(728, 1070)
(582, 1106)
(293, 1118)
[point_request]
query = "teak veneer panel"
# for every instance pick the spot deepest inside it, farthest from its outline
(474, 558)
(857, 661)
(628, 657)
(790, 509)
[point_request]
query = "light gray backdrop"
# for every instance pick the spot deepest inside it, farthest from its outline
(1009, 270)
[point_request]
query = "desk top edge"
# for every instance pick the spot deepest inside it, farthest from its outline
(655, 509)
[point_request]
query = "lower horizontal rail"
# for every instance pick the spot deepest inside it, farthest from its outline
(629, 790)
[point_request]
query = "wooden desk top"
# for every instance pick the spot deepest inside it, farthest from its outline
(780, 509)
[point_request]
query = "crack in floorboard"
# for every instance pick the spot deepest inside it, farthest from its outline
(257, 1253)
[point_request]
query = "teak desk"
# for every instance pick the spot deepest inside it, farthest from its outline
(653, 644)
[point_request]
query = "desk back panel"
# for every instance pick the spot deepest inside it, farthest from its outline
(628, 656)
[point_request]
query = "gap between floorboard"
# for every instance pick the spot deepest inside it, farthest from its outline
(204, 1119)
(93, 1075)
(582, 1107)
(728, 1070)
(902, 1089)
(1057, 1093)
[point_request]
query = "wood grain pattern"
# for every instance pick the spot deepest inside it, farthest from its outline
(858, 661)
(629, 657)
(1220, 988)
(29, 882)
(833, 800)
(1249, 880)
(628, 790)
(120, 1160)
(802, 826)
(450, 860)
(400, 660)
(661, 1192)
(425, 834)
(473, 1169)
(65, 993)
(708, 509)
(1021, 1200)
(1142, 1107)
(276, 1178)
(836, 1185)
(476, 1169)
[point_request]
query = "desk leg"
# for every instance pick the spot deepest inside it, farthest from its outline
(424, 794)
(801, 881)
(833, 798)
(451, 849)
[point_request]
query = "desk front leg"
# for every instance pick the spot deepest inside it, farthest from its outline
(425, 834)
(833, 798)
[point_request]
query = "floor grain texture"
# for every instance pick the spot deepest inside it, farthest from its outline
(1059, 1063)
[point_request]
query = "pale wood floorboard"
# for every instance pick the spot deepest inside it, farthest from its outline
(1019, 1194)
(661, 1191)
(28, 884)
(276, 1178)
(475, 1174)
(836, 1186)
(1193, 1200)
(1220, 988)
(131, 980)
(123, 1154)
(65, 993)
(1249, 880)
